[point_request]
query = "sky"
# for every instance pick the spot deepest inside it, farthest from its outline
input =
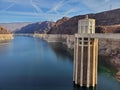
(50, 10)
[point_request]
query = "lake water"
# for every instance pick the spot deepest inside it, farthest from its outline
(28, 63)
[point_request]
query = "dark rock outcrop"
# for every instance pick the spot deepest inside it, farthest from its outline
(108, 29)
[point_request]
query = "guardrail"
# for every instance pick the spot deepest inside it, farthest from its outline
(101, 36)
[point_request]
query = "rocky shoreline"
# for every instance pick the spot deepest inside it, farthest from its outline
(4, 37)
(110, 50)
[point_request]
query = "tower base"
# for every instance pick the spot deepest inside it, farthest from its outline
(85, 61)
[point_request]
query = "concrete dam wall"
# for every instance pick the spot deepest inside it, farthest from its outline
(65, 39)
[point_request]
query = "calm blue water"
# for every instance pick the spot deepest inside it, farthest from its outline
(28, 63)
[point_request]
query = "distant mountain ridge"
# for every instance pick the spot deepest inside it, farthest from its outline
(40, 27)
(105, 22)
(14, 26)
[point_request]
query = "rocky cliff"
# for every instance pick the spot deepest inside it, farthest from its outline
(3, 30)
(110, 50)
(5, 34)
(107, 21)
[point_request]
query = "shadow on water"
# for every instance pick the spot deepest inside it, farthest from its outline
(105, 67)
(61, 51)
(84, 88)
(4, 46)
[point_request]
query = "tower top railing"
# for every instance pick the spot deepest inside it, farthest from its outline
(100, 35)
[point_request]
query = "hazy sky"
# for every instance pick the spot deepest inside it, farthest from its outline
(41, 10)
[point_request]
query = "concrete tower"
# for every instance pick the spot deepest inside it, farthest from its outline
(86, 26)
(85, 54)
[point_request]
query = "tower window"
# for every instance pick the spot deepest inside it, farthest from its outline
(90, 30)
(81, 29)
(86, 29)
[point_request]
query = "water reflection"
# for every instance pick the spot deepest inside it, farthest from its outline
(5, 47)
(61, 51)
(84, 88)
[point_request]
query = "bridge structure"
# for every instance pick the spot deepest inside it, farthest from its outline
(115, 36)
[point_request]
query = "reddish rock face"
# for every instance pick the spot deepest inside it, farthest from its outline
(59, 27)
(105, 22)
(3, 30)
(118, 75)
(61, 21)
(108, 29)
